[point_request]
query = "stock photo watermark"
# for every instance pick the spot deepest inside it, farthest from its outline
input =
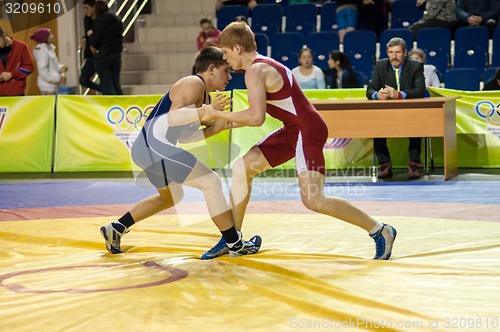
(456, 323)
(25, 14)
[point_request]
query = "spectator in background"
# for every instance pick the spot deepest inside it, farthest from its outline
(347, 16)
(437, 14)
(373, 15)
(16, 65)
(478, 12)
(50, 73)
(342, 76)
(397, 78)
(306, 73)
(249, 3)
(493, 83)
(88, 68)
(106, 43)
(208, 35)
(430, 71)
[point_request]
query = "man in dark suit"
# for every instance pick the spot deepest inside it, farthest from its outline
(397, 77)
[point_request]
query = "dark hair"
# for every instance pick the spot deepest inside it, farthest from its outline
(101, 7)
(206, 20)
(241, 18)
(343, 59)
(91, 3)
(208, 56)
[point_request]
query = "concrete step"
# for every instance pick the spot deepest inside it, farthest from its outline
(182, 34)
(150, 77)
(161, 48)
(178, 7)
(182, 62)
(152, 89)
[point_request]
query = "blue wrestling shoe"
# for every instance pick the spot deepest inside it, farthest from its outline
(249, 247)
(218, 250)
(112, 236)
(384, 239)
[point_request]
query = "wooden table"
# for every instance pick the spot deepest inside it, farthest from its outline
(419, 117)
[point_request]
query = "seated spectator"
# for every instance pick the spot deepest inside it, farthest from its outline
(341, 74)
(437, 14)
(50, 73)
(249, 3)
(373, 15)
(306, 73)
(430, 71)
(347, 17)
(397, 78)
(493, 83)
(208, 35)
(478, 12)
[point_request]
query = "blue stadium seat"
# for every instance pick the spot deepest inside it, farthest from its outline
(489, 73)
(405, 13)
(467, 79)
(387, 34)
(435, 42)
(495, 55)
(328, 17)
(361, 78)
(262, 43)
(227, 14)
(285, 48)
(267, 18)
(471, 48)
(321, 43)
(301, 17)
(237, 81)
(360, 46)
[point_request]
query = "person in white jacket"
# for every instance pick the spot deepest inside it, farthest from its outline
(50, 73)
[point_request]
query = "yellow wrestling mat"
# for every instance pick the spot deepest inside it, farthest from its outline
(311, 274)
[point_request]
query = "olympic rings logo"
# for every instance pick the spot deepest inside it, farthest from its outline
(130, 120)
(485, 109)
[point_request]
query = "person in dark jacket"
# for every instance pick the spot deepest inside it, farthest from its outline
(397, 77)
(478, 13)
(341, 75)
(88, 68)
(106, 43)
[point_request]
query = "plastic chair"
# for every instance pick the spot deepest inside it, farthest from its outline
(285, 48)
(387, 34)
(328, 17)
(495, 55)
(467, 79)
(471, 48)
(435, 42)
(321, 43)
(360, 46)
(405, 13)
(489, 73)
(267, 18)
(262, 43)
(227, 14)
(301, 17)
(361, 78)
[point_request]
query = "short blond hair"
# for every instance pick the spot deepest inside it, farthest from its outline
(238, 33)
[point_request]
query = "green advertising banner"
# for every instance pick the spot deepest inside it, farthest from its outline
(26, 133)
(95, 133)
